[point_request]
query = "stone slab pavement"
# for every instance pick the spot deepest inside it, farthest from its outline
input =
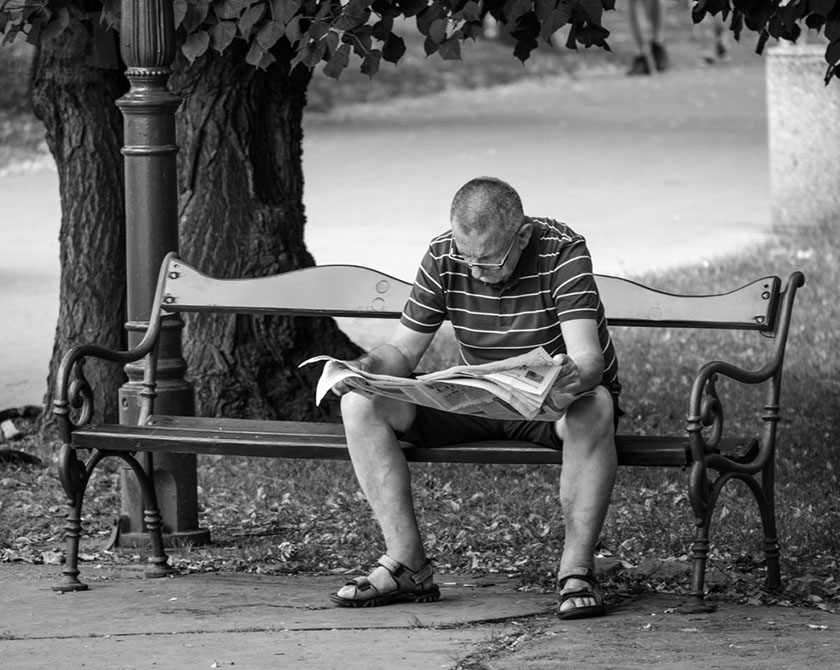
(241, 621)
(260, 622)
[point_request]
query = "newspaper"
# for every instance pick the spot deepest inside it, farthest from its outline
(515, 388)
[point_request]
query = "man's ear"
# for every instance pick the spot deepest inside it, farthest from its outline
(525, 234)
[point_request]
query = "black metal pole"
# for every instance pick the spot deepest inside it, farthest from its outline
(147, 39)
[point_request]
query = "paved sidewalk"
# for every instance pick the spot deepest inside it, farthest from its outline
(241, 621)
(254, 622)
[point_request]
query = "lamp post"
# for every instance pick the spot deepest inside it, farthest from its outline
(147, 46)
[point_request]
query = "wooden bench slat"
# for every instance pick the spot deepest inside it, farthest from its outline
(751, 307)
(350, 290)
(325, 289)
(313, 440)
(225, 425)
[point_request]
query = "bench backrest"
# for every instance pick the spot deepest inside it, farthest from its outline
(350, 290)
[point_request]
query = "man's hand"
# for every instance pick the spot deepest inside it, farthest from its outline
(568, 381)
(365, 363)
(397, 358)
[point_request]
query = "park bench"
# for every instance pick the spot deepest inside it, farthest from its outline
(710, 457)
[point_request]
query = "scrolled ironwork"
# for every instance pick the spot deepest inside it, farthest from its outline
(73, 403)
(711, 415)
(80, 397)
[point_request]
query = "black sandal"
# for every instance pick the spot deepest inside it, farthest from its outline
(407, 585)
(595, 592)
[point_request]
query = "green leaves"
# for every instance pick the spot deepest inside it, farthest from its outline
(269, 34)
(48, 21)
(192, 15)
(284, 10)
(309, 33)
(370, 64)
(781, 19)
(231, 9)
(196, 44)
(332, 33)
(393, 49)
(355, 13)
(249, 19)
(338, 61)
(222, 34)
(450, 49)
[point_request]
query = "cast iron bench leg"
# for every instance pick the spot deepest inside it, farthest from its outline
(158, 563)
(74, 478)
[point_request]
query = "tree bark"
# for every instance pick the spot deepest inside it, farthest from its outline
(241, 215)
(75, 101)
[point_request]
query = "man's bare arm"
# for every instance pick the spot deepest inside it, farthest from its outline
(583, 364)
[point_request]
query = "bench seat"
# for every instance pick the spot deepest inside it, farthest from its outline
(298, 439)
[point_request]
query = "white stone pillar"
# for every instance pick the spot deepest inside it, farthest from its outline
(804, 136)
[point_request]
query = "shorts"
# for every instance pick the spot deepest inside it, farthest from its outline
(437, 428)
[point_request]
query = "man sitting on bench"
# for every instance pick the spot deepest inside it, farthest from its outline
(508, 283)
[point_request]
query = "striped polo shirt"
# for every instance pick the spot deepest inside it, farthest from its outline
(552, 283)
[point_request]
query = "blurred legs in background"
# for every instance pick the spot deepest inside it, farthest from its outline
(654, 17)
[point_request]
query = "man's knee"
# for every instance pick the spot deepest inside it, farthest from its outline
(591, 419)
(357, 408)
(363, 412)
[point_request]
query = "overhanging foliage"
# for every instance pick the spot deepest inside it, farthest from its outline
(780, 19)
(335, 32)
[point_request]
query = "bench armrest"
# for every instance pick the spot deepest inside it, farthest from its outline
(705, 409)
(706, 412)
(704, 403)
(72, 389)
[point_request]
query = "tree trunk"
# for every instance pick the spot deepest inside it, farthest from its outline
(84, 133)
(241, 214)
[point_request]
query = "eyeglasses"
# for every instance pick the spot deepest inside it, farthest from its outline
(456, 256)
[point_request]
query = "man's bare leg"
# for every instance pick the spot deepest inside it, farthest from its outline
(586, 483)
(383, 474)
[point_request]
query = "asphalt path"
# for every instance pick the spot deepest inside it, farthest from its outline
(656, 172)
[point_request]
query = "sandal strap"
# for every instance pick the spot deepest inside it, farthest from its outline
(362, 584)
(396, 569)
(584, 574)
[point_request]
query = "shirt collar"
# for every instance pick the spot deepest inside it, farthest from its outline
(528, 258)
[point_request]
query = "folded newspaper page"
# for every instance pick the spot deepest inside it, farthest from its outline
(515, 388)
